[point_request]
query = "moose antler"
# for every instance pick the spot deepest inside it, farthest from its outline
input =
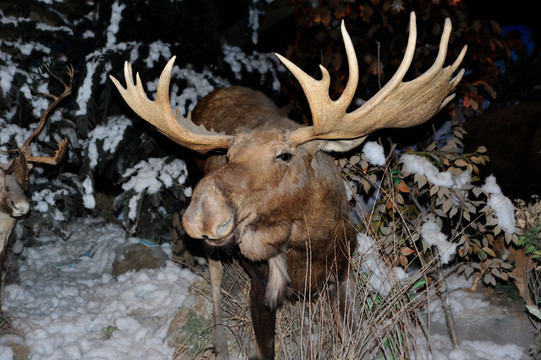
(159, 113)
(63, 144)
(398, 104)
(20, 165)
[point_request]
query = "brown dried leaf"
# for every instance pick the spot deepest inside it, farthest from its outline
(468, 271)
(477, 160)
(366, 186)
(354, 160)
(477, 191)
(443, 192)
(489, 279)
(364, 165)
(403, 188)
(455, 171)
(421, 180)
(481, 149)
(496, 272)
(445, 161)
(406, 251)
(489, 251)
(447, 205)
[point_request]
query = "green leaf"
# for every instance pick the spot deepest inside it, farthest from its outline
(534, 310)
(419, 284)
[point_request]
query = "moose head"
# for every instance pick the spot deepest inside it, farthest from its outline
(275, 196)
(14, 175)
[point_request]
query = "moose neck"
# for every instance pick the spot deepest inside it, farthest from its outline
(7, 223)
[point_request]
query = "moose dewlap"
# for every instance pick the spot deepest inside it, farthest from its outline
(273, 196)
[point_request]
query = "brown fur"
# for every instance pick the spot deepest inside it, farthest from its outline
(288, 219)
(13, 204)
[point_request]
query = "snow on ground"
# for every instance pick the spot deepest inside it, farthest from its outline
(67, 298)
(485, 331)
(473, 350)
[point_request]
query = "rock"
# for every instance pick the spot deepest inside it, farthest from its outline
(138, 256)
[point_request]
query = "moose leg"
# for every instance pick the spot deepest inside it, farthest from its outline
(3, 245)
(220, 341)
(7, 223)
(263, 317)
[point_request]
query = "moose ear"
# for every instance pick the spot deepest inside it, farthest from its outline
(20, 167)
(337, 145)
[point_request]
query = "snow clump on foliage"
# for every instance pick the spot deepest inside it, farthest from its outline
(419, 165)
(148, 177)
(381, 277)
(110, 135)
(502, 206)
(431, 233)
(374, 153)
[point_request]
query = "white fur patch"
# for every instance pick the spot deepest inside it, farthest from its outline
(278, 280)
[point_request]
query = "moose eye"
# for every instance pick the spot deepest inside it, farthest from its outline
(286, 156)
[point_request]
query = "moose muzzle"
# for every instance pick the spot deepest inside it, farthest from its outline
(209, 217)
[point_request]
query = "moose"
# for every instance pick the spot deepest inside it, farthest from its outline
(14, 175)
(271, 193)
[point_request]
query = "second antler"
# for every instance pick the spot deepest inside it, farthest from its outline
(398, 104)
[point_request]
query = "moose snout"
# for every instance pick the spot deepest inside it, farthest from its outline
(19, 207)
(208, 216)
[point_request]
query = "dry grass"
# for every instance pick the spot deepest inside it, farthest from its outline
(10, 333)
(307, 329)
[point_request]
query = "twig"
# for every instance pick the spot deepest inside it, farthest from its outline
(445, 306)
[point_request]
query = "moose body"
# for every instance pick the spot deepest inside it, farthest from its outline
(278, 204)
(13, 204)
(273, 193)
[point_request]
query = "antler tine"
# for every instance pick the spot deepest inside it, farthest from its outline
(63, 144)
(52, 160)
(398, 103)
(400, 72)
(160, 114)
(326, 112)
(67, 91)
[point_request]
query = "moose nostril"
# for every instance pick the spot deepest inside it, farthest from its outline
(205, 237)
(225, 228)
